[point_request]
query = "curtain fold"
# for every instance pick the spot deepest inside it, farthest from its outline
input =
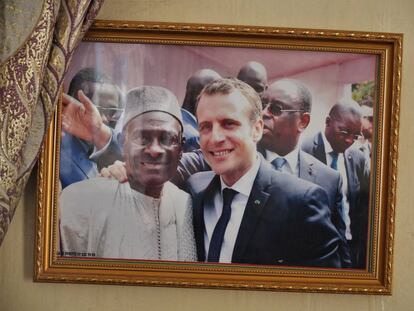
(30, 84)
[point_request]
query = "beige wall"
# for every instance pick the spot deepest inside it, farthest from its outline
(18, 292)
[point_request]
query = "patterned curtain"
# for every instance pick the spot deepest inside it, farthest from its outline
(34, 61)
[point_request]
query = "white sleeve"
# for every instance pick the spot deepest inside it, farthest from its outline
(185, 232)
(74, 223)
(82, 217)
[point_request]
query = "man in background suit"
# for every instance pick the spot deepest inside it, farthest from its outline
(254, 74)
(77, 145)
(286, 111)
(364, 142)
(193, 88)
(245, 211)
(332, 147)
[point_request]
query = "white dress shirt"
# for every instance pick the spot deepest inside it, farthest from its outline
(212, 213)
(342, 170)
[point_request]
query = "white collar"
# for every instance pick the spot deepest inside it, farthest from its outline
(145, 198)
(245, 184)
(327, 145)
(292, 157)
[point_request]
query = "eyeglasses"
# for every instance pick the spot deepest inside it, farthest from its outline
(345, 133)
(113, 114)
(259, 88)
(276, 110)
(166, 140)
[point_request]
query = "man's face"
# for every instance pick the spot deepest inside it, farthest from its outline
(342, 131)
(152, 149)
(228, 137)
(106, 98)
(282, 129)
(257, 82)
(366, 128)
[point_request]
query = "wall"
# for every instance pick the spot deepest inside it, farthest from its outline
(18, 292)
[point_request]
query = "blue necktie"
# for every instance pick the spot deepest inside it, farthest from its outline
(334, 163)
(220, 228)
(278, 163)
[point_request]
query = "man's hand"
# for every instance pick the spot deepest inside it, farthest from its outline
(82, 120)
(116, 170)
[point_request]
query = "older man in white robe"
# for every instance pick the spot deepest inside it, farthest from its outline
(148, 217)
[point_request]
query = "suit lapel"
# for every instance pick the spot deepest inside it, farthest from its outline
(86, 167)
(199, 200)
(319, 148)
(350, 172)
(253, 211)
(306, 168)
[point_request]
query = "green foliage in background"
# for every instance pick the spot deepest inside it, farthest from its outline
(364, 93)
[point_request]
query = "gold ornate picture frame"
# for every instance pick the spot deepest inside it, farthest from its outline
(331, 63)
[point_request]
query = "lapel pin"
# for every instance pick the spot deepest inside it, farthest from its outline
(257, 202)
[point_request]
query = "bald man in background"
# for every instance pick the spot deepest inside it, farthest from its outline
(255, 75)
(286, 114)
(194, 86)
(333, 147)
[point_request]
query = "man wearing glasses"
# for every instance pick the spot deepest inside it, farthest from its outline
(286, 114)
(333, 147)
(276, 218)
(107, 98)
(78, 145)
(147, 217)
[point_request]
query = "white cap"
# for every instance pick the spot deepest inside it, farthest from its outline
(145, 99)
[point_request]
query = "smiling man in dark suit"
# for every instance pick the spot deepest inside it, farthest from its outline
(286, 111)
(244, 210)
(333, 147)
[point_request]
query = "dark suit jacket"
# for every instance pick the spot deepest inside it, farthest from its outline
(358, 193)
(190, 163)
(74, 160)
(192, 137)
(286, 221)
(311, 169)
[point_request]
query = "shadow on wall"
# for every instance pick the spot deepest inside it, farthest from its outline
(29, 220)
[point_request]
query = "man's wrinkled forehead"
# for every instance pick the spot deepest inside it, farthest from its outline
(221, 96)
(284, 89)
(347, 120)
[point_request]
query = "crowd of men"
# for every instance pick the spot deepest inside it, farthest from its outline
(223, 177)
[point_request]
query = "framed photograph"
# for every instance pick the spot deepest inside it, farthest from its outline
(220, 156)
